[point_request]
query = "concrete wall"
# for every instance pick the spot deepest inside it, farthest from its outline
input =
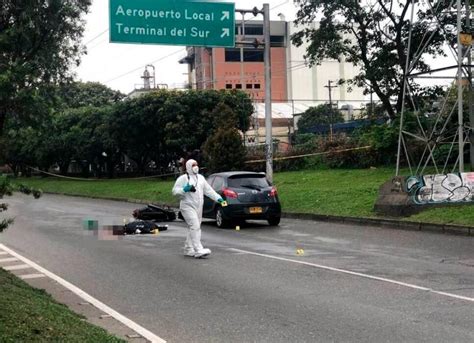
(306, 83)
(439, 189)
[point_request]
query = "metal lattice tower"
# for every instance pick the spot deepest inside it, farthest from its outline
(433, 139)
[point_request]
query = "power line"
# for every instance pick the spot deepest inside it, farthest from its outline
(276, 6)
(140, 67)
(99, 43)
(93, 39)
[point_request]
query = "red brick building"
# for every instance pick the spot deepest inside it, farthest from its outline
(242, 68)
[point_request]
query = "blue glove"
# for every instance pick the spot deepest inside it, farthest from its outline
(187, 188)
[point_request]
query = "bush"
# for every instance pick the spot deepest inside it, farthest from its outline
(224, 151)
(319, 115)
(383, 140)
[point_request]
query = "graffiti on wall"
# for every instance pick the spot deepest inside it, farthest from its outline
(441, 188)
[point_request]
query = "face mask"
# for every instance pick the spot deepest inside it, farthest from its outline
(195, 169)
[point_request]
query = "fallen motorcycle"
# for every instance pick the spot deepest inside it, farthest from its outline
(155, 213)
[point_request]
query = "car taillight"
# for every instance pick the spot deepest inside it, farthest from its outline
(273, 192)
(229, 193)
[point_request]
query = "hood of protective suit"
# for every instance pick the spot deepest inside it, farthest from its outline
(189, 167)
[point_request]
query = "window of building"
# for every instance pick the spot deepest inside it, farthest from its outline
(228, 86)
(238, 86)
(254, 30)
(250, 55)
(256, 86)
(232, 55)
(253, 55)
(277, 41)
(248, 86)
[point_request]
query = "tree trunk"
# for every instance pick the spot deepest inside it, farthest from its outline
(110, 167)
(85, 169)
(385, 100)
(142, 167)
(63, 168)
(2, 121)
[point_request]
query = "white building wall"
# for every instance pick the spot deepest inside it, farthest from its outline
(308, 84)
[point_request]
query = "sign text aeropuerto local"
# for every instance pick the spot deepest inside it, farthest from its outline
(183, 22)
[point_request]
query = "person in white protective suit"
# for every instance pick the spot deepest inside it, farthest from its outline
(191, 188)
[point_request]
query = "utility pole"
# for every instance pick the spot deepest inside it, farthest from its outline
(268, 82)
(330, 87)
(268, 93)
(460, 95)
(470, 85)
(242, 37)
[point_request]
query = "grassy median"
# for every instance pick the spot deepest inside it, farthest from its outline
(31, 315)
(327, 191)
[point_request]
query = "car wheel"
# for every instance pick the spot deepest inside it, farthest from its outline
(274, 221)
(220, 221)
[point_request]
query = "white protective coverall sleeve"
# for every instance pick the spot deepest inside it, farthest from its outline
(191, 204)
(179, 185)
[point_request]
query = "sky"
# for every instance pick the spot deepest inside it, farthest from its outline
(119, 66)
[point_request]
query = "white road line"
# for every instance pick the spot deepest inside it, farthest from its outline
(55, 210)
(17, 267)
(79, 292)
(31, 276)
(9, 259)
(367, 276)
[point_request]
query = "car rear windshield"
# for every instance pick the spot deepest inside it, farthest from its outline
(239, 181)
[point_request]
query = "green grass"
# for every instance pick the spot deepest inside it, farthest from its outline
(331, 192)
(327, 191)
(31, 315)
(460, 215)
(148, 189)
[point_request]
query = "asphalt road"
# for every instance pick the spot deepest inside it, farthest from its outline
(352, 284)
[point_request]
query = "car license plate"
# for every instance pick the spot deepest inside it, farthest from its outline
(255, 210)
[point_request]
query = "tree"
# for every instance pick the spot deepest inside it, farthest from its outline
(18, 147)
(162, 125)
(80, 94)
(138, 128)
(39, 41)
(194, 117)
(224, 150)
(374, 37)
(156, 127)
(87, 136)
(319, 115)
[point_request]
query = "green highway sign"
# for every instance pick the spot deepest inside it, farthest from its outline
(173, 22)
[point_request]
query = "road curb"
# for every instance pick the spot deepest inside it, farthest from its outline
(381, 222)
(386, 222)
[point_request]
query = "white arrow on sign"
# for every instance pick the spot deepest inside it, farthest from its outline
(225, 32)
(225, 15)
